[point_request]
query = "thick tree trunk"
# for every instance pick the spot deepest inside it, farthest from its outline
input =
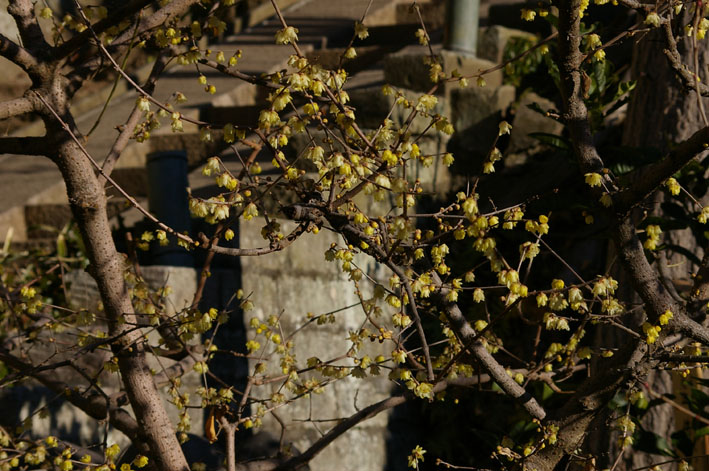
(675, 116)
(88, 203)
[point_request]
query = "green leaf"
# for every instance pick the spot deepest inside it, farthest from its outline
(651, 442)
(551, 140)
(619, 401)
(61, 246)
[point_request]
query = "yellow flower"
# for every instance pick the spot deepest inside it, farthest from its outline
(606, 200)
(652, 19)
(504, 128)
(593, 179)
(287, 35)
(478, 295)
(593, 40)
(528, 15)
(250, 212)
(361, 30)
(704, 215)
(416, 456)
(673, 186)
(422, 37)
(665, 318)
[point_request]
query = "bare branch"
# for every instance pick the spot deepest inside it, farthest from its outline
(674, 58)
(647, 179)
(255, 252)
(234, 72)
(467, 335)
(127, 132)
(82, 39)
(16, 107)
(94, 405)
(575, 114)
(30, 32)
(17, 54)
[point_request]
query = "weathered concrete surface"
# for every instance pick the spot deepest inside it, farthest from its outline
(476, 113)
(290, 284)
(493, 39)
(527, 121)
(408, 68)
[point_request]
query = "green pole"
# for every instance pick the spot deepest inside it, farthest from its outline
(462, 18)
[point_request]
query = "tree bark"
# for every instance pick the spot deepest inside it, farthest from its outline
(88, 204)
(675, 116)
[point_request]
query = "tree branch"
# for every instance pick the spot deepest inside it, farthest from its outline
(16, 107)
(127, 132)
(574, 418)
(254, 252)
(649, 178)
(30, 32)
(82, 39)
(468, 337)
(88, 204)
(674, 58)
(16, 54)
(95, 405)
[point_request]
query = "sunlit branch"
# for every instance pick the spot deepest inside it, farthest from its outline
(467, 335)
(17, 54)
(94, 404)
(31, 34)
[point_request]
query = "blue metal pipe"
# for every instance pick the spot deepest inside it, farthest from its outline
(461, 32)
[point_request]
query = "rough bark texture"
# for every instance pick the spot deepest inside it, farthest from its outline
(676, 117)
(88, 204)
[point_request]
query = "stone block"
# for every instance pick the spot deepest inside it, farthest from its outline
(473, 105)
(40, 219)
(12, 225)
(408, 68)
(433, 14)
(291, 284)
(527, 121)
(475, 114)
(493, 39)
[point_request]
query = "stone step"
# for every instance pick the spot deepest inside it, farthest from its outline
(323, 23)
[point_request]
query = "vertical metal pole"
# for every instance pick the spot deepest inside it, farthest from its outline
(167, 200)
(462, 17)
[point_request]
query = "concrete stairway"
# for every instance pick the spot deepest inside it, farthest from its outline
(32, 193)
